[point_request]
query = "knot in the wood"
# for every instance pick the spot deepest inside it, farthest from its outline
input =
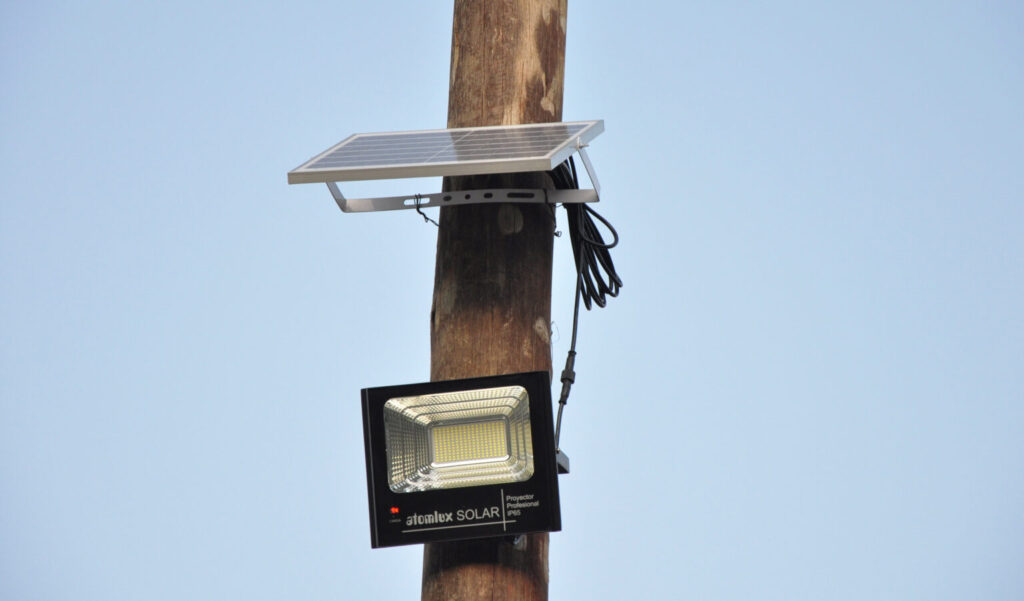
(510, 219)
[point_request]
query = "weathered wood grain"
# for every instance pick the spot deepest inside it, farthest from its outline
(491, 310)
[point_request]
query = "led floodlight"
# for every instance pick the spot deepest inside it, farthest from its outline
(460, 459)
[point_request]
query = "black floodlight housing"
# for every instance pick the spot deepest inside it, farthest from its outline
(460, 459)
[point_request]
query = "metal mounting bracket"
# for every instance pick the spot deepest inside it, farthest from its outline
(562, 461)
(463, 197)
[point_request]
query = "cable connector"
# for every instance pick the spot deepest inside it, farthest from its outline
(568, 377)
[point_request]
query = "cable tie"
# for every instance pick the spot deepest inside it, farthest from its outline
(422, 214)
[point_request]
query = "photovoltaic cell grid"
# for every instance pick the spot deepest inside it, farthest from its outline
(464, 151)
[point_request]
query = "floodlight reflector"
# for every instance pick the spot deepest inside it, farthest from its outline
(458, 439)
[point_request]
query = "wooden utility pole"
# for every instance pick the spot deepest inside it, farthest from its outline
(492, 283)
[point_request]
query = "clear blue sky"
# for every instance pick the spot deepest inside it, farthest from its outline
(812, 386)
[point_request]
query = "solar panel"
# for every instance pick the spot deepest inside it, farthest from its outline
(461, 151)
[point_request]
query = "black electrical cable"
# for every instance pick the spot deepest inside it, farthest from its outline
(596, 278)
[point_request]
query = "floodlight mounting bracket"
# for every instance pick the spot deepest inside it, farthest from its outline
(562, 461)
(464, 197)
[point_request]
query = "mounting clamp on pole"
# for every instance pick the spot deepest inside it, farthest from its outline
(462, 197)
